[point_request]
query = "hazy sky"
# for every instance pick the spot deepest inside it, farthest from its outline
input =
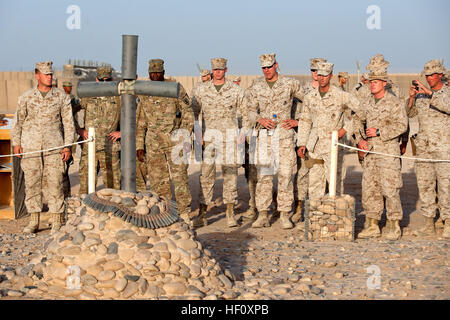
(184, 33)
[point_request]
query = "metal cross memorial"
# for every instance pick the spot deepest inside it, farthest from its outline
(127, 89)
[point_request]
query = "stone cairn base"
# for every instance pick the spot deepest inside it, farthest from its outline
(98, 255)
(330, 218)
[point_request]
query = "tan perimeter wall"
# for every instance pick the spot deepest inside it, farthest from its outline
(14, 84)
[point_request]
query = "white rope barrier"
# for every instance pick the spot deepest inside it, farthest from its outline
(391, 155)
(46, 150)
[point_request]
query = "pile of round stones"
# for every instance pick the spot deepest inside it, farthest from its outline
(331, 218)
(96, 255)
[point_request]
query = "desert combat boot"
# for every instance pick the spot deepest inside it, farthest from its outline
(439, 224)
(285, 220)
(262, 221)
(200, 220)
(298, 212)
(33, 225)
(394, 232)
(186, 218)
(57, 220)
(231, 221)
(428, 229)
(446, 232)
(371, 229)
(250, 214)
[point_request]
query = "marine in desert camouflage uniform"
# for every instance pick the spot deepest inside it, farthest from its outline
(432, 142)
(324, 111)
(205, 74)
(343, 79)
(385, 121)
(268, 111)
(43, 120)
(158, 118)
(393, 89)
(219, 103)
(302, 179)
(102, 114)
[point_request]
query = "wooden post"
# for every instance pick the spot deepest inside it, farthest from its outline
(91, 161)
(333, 164)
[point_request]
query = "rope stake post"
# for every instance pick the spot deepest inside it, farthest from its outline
(333, 164)
(91, 161)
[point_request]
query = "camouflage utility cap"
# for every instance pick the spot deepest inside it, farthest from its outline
(379, 73)
(44, 67)
(156, 65)
(433, 66)
(377, 61)
(67, 84)
(238, 79)
(218, 63)
(204, 72)
(104, 72)
(315, 61)
(324, 68)
(343, 75)
(267, 60)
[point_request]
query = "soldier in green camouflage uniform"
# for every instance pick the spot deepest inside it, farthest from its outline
(343, 79)
(102, 114)
(158, 119)
(43, 120)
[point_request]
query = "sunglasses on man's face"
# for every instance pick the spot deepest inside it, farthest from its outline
(105, 79)
(264, 68)
(313, 70)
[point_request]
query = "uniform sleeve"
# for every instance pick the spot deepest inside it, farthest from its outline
(298, 90)
(249, 110)
(84, 104)
(78, 113)
(351, 102)
(358, 127)
(298, 108)
(299, 94)
(240, 107)
(358, 121)
(304, 124)
(67, 120)
(187, 115)
(196, 103)
(397, 123)
(19, 118)
(141, 126)
(441, 101)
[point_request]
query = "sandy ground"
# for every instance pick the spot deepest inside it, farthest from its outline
(411, 268)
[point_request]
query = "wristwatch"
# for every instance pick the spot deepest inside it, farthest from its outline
(378, 132)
